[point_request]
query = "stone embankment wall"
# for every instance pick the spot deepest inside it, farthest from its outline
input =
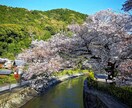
(91, 100)
(95, 99)
(17, 97)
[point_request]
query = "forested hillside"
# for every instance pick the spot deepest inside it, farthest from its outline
(18, 26)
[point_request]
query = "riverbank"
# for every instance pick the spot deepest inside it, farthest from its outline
(19, 96)
(94, 98)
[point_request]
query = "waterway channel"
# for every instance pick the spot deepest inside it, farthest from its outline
(68, 94)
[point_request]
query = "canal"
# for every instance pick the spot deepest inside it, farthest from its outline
(68, 94)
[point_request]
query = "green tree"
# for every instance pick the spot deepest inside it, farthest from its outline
(127, 6)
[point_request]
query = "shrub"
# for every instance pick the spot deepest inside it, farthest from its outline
(70, 72)
(7, 79)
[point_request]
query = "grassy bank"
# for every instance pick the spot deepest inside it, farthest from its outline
(4, 79)
(70, 72)
(123, 94)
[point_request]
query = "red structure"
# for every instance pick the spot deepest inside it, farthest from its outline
(16, 76)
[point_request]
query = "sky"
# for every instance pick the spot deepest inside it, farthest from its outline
(83, 6)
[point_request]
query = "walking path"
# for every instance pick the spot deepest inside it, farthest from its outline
(103, 77)
(11, 86)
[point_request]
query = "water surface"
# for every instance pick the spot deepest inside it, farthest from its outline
(68, 94)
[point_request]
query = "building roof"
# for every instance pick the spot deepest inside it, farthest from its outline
(19, 62)
(101, 76)
(2, 60)
(5, 72)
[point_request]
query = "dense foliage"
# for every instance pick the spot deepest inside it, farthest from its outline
(65, 15)
(18, 26)
(13, 38)
(127, 6)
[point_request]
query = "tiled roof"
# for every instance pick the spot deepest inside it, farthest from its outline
(19, 62)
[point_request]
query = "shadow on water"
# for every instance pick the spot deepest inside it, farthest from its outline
(68, 94)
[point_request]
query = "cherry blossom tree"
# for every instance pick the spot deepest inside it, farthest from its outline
(45, 56)
(105, 37)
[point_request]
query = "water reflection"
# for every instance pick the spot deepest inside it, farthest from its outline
(68, 94)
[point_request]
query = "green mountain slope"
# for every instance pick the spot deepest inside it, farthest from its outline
(18, 26)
